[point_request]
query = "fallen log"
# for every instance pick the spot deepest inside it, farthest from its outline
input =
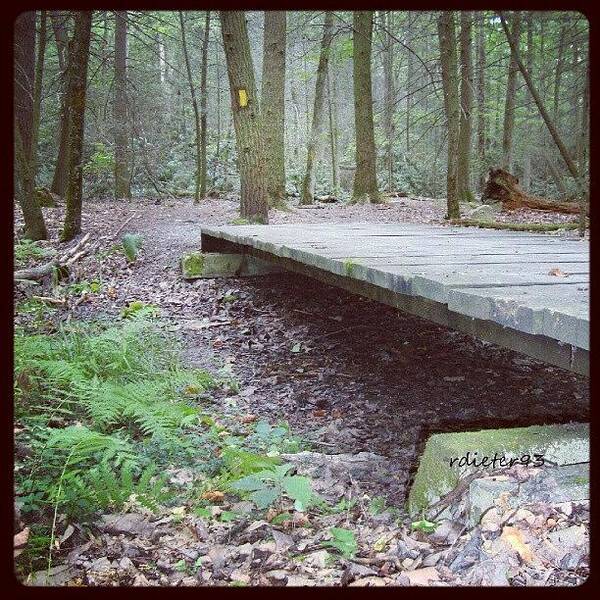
(502, 187)
(65, 261)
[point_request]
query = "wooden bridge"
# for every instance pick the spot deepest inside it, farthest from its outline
(524, 291)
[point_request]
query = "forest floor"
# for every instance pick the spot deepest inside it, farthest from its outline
(350, 376)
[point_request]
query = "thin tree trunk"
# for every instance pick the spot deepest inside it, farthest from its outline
(583, 194)
(246, 117)
(463, 175)
(509, 106)
(218, 69)
(447, 38)
(409, 77)
(37, 92)
(526, 184)
(481, 117)
(203, 105)
(122, 189)
(24, 73)
(333, 129)
(583, 142)
(560, 65)
(273, 103)
(308, 184)
(59, 179)
(76, 107)
(389, 99)
(365, 177)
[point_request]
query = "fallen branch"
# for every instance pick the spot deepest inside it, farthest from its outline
(116, 233)
(514, 226)
(66, 260)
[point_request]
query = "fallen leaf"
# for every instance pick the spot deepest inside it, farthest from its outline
(248, 418)
(422, 576)
(336, 413)
(20, 541)
(213, 496)
(556, 272)
(319, 412)
(514, 537)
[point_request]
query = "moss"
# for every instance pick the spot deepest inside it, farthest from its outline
(192, 264)
(514, 226)
(349, 267)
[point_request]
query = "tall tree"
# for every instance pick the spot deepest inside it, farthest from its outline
(389, 97)
(24, 47)
(448, 59)
(481, 116)
(463, 172)
(365, 177)
(37, 90)
(308, 184)
(246, 117)
(59, 26)
(273, 103)
(122, 179)
(203, 106)
(76, 108)
(333, 127)
(197, 121)
(511, 93)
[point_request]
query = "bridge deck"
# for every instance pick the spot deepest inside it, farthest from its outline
(525, 291)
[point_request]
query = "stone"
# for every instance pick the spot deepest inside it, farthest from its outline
(446, 533)
(423, 576)
(208, 265)
(446, 459)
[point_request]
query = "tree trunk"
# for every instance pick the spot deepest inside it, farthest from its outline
(509, 106)
(59, 179)
(503, 187)
(389, 99)
(481, 98)
(365, 178)
(529, 145)
(246, 117)
(76, 108)
(463, 174)
(410, 60)
(448, 58)
(203, 106)
(122, 179)
(308, 184)
(37, 91)
(24, 73)
(560, 65)
(273, 103)
(188, 69)
(333, 129)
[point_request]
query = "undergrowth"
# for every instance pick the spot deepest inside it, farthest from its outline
(104, 412)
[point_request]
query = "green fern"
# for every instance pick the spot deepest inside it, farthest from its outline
(132, 244)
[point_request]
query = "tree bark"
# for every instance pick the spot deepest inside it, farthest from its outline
(59, 179)
(122, 179)
(333, 128)
(509, 106)
(389, 98)
(203, 106)
(308, 184)
(448, 58)
(37, 91)
(197, 124)
(273, 103)
(24, 74)
(76, 108)
(481, 117)
(365, 178)
(463, 174)
(246, 117)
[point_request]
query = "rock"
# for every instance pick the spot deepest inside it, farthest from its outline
(101, 565)
(243, 508)
(432, 559)
(239, 575)
(299, 581)
(486, 213)
(317, 559)
(277, 576)
(423, 576)
(491, 520)
(446, 533)
(58, 575)
(283, 541)
(571, 537)
(130, 523)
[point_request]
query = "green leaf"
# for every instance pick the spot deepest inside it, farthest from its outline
(342, 540)
(424, 525)
(265, 497)
(250, 483)
(298, 489)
